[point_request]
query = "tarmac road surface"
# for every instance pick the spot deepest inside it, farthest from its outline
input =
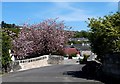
(54, 73)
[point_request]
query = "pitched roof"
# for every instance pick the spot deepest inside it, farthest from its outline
(78, 39)
(79, 47)
(70, 51)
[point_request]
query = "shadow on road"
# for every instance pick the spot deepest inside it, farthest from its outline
(91, 72)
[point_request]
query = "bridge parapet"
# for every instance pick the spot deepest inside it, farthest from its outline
(33, 59)
(30, 63)
(55, 59)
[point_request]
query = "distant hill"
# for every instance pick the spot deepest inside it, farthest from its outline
(6, 25)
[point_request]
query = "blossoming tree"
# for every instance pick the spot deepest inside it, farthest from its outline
(47, 37)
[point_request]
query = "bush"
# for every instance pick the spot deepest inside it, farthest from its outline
(6, 45)
(73, 55)
(105, 34)
(84, 60)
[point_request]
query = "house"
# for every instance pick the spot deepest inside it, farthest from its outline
(82, 48)
(78, 39)
(69, 51)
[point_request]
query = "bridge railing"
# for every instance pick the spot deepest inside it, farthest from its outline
(49, 59)
(16, 65)
(32, 59)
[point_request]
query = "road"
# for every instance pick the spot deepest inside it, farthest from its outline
(55, 73)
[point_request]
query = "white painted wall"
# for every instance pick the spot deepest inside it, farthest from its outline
(86, 52)
(25, 64)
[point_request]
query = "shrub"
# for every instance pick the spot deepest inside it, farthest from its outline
(84, 60)
(73, 55)
(6, 45)
(105, 34)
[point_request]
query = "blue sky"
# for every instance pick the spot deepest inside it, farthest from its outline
(73, 13)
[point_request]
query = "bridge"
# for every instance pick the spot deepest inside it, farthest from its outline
(67, 71)
(41, 61)
(25, 64)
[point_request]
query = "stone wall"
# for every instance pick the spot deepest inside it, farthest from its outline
(45, 60)
(111, 65)
(0, 67)
(55, 59)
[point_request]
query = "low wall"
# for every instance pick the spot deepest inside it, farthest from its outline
(111, 65)
(86, 52)
(30, 63)
(55, 59)
(35, 64)
(41, 61)
(32, 59)
(0, 67)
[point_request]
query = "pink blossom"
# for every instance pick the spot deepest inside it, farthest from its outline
(46, 37)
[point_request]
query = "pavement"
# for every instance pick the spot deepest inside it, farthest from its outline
(70, 61)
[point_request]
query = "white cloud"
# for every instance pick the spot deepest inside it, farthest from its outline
(60, 0)
(75, 17)
(73, 14)
(76, 14)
